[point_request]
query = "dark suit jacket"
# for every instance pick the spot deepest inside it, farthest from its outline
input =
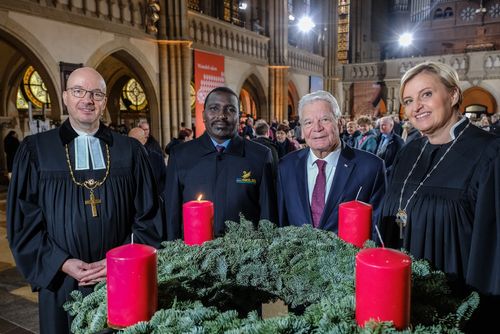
(394, 145)
(195, 168)
(274, 151)
(355, 168)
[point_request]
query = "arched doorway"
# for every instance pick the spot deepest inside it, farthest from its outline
(293, 101)
(131, 96)
(401, 113)
(253, 99)
(477, 102)
(381, 108)
(16, 59)
(24, 78)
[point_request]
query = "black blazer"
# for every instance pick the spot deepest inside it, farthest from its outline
(355, 168)
(239, 180)
(395, 144)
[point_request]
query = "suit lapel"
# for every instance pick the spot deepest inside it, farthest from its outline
(206, 147)
(236, 146)
(302, 186)
(344, 168)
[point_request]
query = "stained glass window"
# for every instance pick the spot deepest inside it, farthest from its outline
(34, 88)
(123, 107)
(21, 102)
(343, 31)
(133, 96)
(192, 95)
(231, 12)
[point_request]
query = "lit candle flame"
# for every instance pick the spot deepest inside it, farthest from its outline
(200, 197)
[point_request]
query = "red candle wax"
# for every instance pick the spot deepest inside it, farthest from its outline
(383, 286)
(131, 284)
(198, 219)
(355, 221)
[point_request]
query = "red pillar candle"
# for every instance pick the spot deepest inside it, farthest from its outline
(131, 284)
(383, 286)
(355, 221)
(198, 219)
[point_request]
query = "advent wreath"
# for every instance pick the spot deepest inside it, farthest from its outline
(220, 286)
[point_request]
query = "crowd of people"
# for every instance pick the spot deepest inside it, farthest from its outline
(433, 182)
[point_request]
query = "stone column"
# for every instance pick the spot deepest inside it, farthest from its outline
(278, 59)
(330, 46)
(175, 68)
(278, 92)
(346, 109)
(393, 97)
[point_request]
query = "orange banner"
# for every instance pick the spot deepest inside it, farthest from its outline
(208, 74)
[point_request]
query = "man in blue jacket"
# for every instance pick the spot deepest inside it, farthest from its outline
(388, 143)
(312, 182)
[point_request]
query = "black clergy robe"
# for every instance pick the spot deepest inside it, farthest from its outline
(239, 180)
(48, 221)
(454, 218)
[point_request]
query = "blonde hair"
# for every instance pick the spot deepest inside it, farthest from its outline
(446, 73)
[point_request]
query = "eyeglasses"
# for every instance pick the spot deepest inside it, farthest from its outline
(80, 93)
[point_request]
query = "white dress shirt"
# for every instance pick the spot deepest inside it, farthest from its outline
(312, 171)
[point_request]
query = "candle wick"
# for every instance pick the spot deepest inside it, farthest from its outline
(132, 239)
(379, 236)
(359, 191)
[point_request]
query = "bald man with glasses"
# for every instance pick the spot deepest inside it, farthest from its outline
(77, 192)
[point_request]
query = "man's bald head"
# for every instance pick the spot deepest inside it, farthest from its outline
(88, 73)
(85, 99)
(138, 134)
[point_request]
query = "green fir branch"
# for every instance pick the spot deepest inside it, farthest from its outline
(218, 287)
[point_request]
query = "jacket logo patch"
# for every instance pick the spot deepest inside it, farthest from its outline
(246, 178)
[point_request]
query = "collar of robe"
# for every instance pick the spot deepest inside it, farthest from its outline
(67, 133)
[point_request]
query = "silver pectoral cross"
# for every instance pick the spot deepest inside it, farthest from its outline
(401, 220)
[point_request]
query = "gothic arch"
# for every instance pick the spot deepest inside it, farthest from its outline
(479, 96)
(26, 50)
(118, 64)
(18, 50)
(253, 98)
(117, 68)
(293, 100)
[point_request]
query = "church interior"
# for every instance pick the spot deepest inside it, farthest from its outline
(158, 56)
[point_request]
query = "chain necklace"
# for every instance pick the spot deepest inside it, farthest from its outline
(90, 184)
(401, 215)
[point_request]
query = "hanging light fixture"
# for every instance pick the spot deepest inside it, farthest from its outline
(306, 24)
(243, 5)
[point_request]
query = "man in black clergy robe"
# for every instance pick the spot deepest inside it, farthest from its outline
(232, 172)
(77, 192)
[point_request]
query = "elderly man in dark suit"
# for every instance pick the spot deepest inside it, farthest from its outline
(234, 173)
(312, 182)
(388, 143)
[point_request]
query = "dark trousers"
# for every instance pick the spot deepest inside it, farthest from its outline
(53, 318)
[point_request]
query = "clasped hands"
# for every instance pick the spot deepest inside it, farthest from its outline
(85, 273)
